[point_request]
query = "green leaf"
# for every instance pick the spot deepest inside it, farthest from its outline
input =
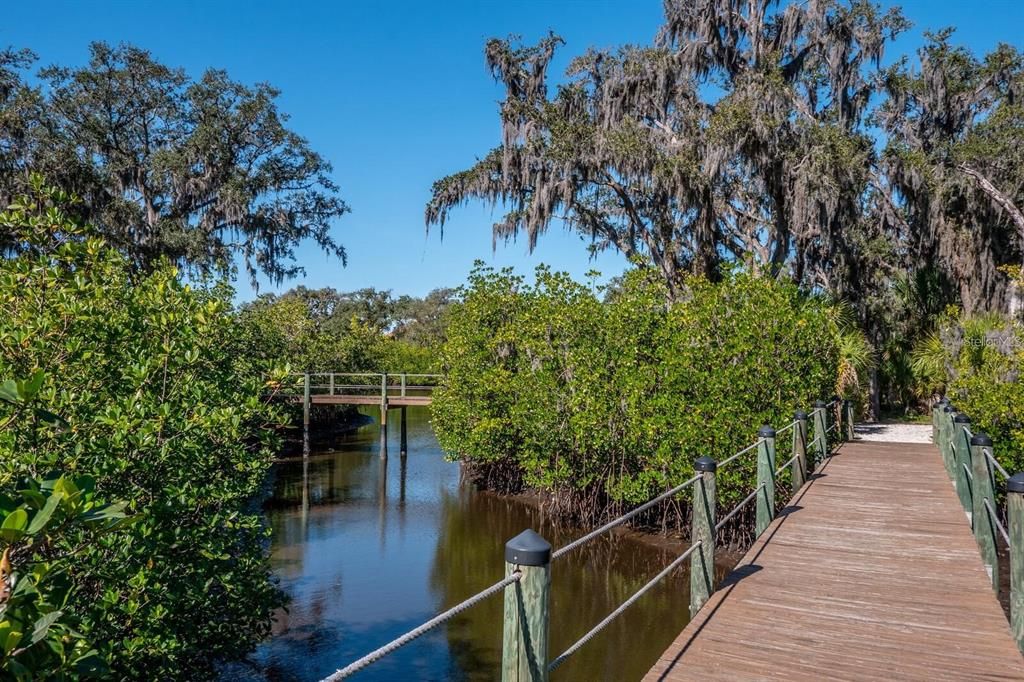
(107, 511)
(42, 625)
(9, 392)
(13, 528)
(43, 516)
(30, 388)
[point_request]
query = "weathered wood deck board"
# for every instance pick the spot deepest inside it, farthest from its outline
(872, 573)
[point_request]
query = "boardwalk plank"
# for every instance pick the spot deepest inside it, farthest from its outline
(871, 574)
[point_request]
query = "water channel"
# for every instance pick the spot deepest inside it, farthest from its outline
(368, 549)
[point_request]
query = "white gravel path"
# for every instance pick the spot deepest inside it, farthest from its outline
(894, 433)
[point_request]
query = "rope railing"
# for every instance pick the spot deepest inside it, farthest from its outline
(561, 658)
(996, 522)
(622, 519)
(528, 556)
(736, 510)
(752, 446)
(787, 464)
(786, 427)
(995, 465)
(426, 627)
(969, 458)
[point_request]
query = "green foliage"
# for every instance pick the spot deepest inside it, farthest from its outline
(361, 331)
(45, 525)
(203, 171)
(156, 405)
(555, 390)
(986, 356)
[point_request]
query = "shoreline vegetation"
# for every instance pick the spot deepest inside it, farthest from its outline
(815, 224)
(599, 405)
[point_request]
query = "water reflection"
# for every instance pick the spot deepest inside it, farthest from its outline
(369, 547)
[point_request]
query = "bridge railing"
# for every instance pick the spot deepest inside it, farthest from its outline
(384, 384)
(528, 556)
(980, 482)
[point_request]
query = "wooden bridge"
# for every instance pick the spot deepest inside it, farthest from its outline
(871, 572)
(886, 563)
(385, 390)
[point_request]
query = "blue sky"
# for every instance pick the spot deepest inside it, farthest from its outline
(396, 95)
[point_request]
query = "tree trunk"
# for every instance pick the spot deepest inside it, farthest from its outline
(874, 396)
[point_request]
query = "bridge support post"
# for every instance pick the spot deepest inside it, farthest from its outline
(848, 418)
(384, 415)
(982, 488)
(702, 530)
(404, 445)
(524, 654)
(799, 470)
(962, 460)
(820, 437)
(765, 479)
(306, 399)
(1015, 510)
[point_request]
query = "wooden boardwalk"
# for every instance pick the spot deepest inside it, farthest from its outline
(871, 573)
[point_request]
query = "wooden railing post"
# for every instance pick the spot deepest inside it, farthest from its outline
(403, 384)
(702, 530)
(524, 655)
(981, 490)
(936, 417)
(820, 435)
(1015, 510)
(962, 460)
(799, 450)
(946, 437)
(765, 479)
(848, 417)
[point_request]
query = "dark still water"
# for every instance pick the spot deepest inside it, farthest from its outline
(368, 550)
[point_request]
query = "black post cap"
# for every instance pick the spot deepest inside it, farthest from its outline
(943, 401)
(528, 549)
(836, 398)
(961, 418)
(981, 439)
(800, 415)
(948, 408)
(1016, 483)
(766, 432)
(820, 403)
(705, 464)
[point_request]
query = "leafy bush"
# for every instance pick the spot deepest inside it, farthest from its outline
(550, 388)
(160, 412)
(46, 524)
(985, 356)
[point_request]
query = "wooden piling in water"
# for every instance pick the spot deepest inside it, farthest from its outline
(702, 530)
(765, 479)
(306, 400)
(404, 445)
(524, 653)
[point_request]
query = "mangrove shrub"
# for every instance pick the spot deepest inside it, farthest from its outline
(143, 372)
(609, 401)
